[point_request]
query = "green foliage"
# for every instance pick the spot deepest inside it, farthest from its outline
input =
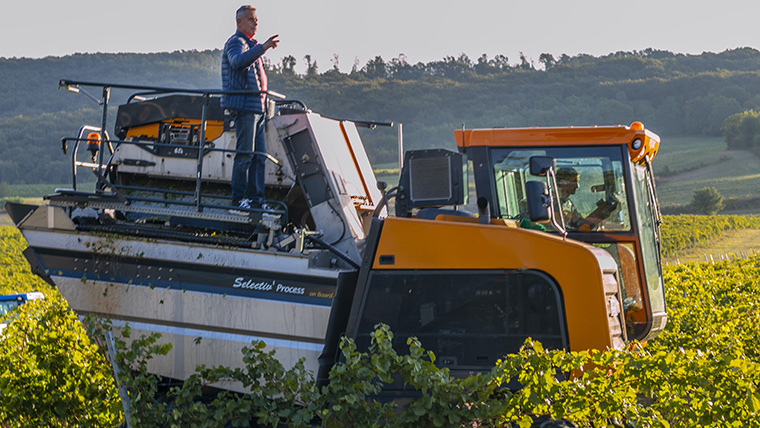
(9, 199)
(713, 307)
(713, 323)
(702, 370)
(742, 130)
(707, 201)
(276, 395)
(52, 375)
(681, 232)
(15, 274)
(697, 373)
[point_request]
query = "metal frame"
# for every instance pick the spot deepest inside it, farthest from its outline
(102, 167)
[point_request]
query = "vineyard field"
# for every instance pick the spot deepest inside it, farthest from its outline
(683, 232)
(702, 370)
(731, 244)
(15, 274)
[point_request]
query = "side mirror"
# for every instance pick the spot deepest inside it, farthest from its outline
(539, 202)
(539, 165)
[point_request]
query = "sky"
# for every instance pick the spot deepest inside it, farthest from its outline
(359, 30)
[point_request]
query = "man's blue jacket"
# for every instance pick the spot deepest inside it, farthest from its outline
(243, 68)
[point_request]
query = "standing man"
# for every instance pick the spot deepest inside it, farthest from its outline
(243, 69)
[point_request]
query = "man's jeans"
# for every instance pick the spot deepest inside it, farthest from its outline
(248, 169)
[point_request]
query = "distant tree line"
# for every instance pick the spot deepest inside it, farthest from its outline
(673, 94)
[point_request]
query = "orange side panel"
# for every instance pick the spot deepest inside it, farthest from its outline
(577, 268)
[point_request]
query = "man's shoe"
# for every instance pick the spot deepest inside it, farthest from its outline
(243, 208)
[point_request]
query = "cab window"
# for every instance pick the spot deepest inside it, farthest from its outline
(590, 183)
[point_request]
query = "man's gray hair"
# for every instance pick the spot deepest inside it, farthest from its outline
(243, 8)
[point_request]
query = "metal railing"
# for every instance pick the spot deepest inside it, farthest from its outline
(101, 168)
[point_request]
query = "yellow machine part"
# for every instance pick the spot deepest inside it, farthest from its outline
(581, 271)
(214, 128)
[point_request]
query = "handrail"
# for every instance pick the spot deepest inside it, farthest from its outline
(64, 148)
(146, 145)
(269, 157)
(103, 183)
(369, 124)
(64, 83)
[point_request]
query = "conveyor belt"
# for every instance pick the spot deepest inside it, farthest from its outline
(162, 232)
(209, 214)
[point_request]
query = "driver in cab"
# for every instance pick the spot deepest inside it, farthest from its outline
(567, 184)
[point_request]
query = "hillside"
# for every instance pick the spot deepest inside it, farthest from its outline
(688, 163)
(673, 94)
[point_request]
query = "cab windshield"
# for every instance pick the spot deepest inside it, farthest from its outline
(590, 184)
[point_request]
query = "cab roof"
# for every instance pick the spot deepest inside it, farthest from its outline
(641, 142)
